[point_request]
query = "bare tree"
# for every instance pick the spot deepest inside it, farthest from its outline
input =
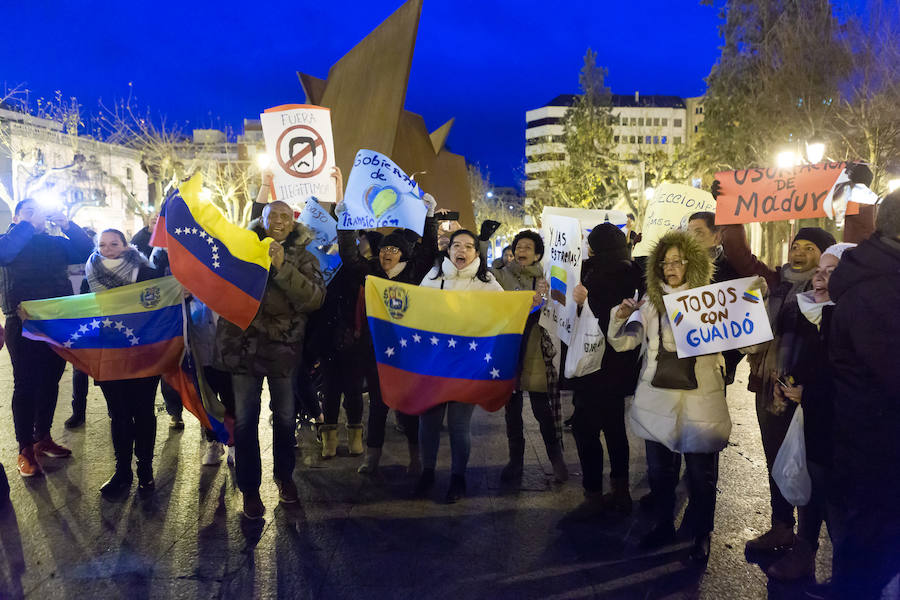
(491, 208)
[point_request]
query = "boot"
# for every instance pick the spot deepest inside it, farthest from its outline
(515, 467)
(619, 498)
(146, 484)
(592, 508)
(119, 484)
(798, 563)
(426, 480)
(329, 441)
(415, 463)
(354, 439)
(456, 490)
(780, 535)
(370, 464)
(560, 471)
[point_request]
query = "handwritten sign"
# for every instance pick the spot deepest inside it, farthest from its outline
(671, 206)
(774, 194)
(717, 317)
(324, 246)
(300, 145)
(380, 194)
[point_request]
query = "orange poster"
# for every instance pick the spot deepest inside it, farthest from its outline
(773, 194)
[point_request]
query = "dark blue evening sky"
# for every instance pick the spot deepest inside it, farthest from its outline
(484, 62)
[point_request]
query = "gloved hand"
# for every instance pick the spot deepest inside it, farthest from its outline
(488, 228)
(715, 189)
(430, 204)
(860, 173)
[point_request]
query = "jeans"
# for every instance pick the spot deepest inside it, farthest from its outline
(378, 412)
(543, 414)
(592, 416)
(343, 377)
(36, 373)
(174, 406)
(220, 383)
(132, 410)
(773, 429)
(79, 392)
(459, 417)
(702, 474)
(247, 394)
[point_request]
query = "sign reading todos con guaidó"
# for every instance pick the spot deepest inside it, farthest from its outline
(717, 317)
(565, 232)
(300, 146)
(671, 206)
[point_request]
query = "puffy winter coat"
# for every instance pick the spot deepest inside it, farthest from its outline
(272, 344)
(452, 278)
(682, 420)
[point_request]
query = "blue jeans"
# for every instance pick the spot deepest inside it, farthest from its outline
(459, 416)
(247, 463)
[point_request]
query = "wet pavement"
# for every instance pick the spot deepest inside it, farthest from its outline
(356, 537)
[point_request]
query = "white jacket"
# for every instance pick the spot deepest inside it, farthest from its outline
(460, 279)
(682, 420)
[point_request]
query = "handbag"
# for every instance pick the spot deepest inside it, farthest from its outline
(587, 345)
(789, 469)
(673, 373)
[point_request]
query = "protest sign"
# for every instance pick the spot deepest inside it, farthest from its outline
(324, 246)
(669, 209)
(717, 317)
(590, 218)
(775, 194)
(380, 194)
(301, 148)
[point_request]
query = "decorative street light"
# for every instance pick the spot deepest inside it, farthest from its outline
(893, 184)
(262, 160)
(815, 152)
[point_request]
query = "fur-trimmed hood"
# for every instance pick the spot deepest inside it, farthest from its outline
(300, 236)
(699, 268)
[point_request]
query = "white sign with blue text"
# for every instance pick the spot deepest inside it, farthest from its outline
(717, 317)
(324, 246)
(380, 194)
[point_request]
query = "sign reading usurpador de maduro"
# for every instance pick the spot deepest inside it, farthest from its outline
(774, 194)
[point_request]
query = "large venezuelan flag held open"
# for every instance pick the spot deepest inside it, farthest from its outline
(434, 346)
(222, 264)
(127, 332)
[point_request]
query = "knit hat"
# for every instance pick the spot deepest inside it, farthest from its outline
(837, 250)
(818, 236)
(397, 239)
(606, 237)
(374, 238)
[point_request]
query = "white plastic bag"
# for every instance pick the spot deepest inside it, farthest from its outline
(789, 469)
(586, 346)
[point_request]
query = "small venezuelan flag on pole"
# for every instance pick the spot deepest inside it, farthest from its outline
(222, 264)
(434, 346)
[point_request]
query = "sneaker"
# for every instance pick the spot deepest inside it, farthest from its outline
(74, 421)
(779, 536)
(230, 458)
(253, 506)
(214, 453)
(661, 535)
(28, 465)
(287, 492)
(48, 447)
(176, 422)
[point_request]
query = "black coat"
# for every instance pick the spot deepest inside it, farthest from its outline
(863, 342)
(608, 283)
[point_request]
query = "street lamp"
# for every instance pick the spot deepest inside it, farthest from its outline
(205, 194)
(893, 185)
(263, 160)
(786, 159)
(815, 152)
(648, 193)
(490, 194)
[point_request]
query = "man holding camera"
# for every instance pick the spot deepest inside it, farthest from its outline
(33, 265)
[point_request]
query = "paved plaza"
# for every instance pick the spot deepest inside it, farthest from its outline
(354, 537)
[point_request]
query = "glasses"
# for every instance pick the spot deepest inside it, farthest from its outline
(389, 250)
(461, 246)
(673, 263)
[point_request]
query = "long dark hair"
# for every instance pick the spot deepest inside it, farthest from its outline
(482, 272)
(116, 232)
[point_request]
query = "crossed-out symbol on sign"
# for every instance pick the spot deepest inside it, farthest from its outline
(302, 141)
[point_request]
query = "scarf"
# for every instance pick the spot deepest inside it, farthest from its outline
(104, 274)
(811, 309)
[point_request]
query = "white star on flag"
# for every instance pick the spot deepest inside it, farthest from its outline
(434, 341)
(417, 338)
(134, 341)
(389, 351)
(194, 231)
(83, 329)
(451, 343)
(216, 264)
(76, 335)
(129, 332)
(107, 322)
(120, 325)
(487, 357)
(202, 235)
(403, 343)
(473, 345)
(95, 324)
(209, 240)
(68, 344)
(495, 373)
(178, 231)
(215, 248)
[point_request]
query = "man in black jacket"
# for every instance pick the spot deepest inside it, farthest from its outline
(865, 522)
(35, 266)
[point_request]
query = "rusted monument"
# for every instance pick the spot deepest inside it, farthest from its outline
(366, 90)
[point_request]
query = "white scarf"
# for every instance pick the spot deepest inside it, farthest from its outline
(811, 309)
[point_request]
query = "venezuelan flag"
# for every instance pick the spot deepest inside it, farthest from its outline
(434, 346)
(558, 284)
(223, 265)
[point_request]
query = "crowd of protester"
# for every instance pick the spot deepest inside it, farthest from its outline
(831, 308)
